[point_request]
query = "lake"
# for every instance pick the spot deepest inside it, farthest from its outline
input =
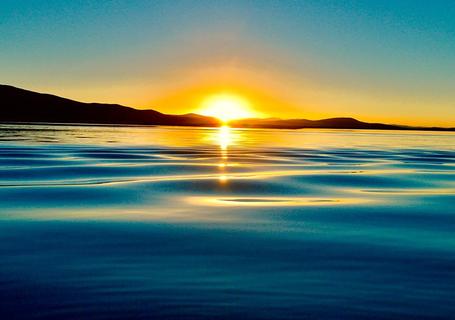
(112, 222)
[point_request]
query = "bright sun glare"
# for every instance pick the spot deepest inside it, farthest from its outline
(226, 107)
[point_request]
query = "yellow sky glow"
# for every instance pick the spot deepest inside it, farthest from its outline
(262, 93)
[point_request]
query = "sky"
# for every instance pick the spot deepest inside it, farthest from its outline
(387, 61)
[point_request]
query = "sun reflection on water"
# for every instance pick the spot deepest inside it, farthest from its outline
(224, 138)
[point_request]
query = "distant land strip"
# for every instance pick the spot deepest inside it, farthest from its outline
(24, 106)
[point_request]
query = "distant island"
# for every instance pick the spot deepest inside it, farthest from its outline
(24, 106)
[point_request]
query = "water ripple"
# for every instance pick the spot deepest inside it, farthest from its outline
(166, 223)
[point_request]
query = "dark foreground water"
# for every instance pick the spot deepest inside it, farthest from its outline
(171, 223)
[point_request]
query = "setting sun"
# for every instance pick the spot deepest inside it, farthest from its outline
(226, 107)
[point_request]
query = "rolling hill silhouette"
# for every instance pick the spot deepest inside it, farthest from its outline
(333, 123)
(20, 105)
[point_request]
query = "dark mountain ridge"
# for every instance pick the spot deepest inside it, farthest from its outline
(20, 105)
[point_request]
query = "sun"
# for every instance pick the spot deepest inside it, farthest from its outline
(226, 107)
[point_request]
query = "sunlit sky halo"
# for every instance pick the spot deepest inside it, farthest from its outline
(227, 107)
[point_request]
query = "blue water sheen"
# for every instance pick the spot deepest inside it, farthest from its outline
(99, 222)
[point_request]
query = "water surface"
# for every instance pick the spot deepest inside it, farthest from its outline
(101, 222)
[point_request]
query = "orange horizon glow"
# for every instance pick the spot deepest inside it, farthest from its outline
(265, 97)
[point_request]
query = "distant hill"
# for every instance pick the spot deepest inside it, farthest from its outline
(333, 123)
(19, 105)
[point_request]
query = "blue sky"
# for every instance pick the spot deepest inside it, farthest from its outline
(378, 60)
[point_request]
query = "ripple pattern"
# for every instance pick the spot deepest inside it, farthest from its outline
(265, 225)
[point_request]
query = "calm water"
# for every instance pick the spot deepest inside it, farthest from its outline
(182, 223)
